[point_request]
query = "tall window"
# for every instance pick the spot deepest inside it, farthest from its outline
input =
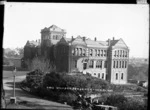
(101, 52)
(91, 52)
(75, 63)
(126, 54)
(91, 64)
(115, 54)
(123, 53)
(73, 51)
(80, 54)
(118, 53)
(76, 51)
(117, 65)
(122, 64)
(95, 52)
(101, 64)
(102, 75)
(114, 65)
(83, 52)
(116, 76)
(98, 64)
(104, 52)
(98, 52)
(125, 64)
(121, 75)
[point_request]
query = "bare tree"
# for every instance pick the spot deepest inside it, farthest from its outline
(43, 64)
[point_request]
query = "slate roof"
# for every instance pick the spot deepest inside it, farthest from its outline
(113, 42)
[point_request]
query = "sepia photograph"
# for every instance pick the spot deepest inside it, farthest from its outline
(75, 56)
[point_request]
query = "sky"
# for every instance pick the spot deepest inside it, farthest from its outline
(24, 21)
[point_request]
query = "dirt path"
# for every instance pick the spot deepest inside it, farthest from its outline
(31, 101)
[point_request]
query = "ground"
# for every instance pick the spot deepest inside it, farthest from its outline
(24, 99)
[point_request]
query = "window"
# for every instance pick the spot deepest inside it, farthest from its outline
(94, 73)
(121, 75)
(75, 63)
(125, 64)
(116, 76)
(122, 64)
(118, 53)
(104, 52)
(80, 51)
(101, 64)
(83, 52)
(98, 53)
(91, 64)
(102, 75)
(99, 75)
(126, 54)
(91, 52)
(95, 52)
(101, 52)
(105, 65)
(115, 54)
(98, 64)
(117, 65)
(76, 51)
(123, 53)
(114, 65)
(73, 51)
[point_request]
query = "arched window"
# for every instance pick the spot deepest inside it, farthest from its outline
(102, 75)
(121, 75)
(116, 76)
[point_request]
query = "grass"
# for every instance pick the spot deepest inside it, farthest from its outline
(10, 73)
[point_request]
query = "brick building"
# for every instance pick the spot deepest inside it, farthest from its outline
(107, 60)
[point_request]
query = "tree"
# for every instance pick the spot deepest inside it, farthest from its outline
(42, 64)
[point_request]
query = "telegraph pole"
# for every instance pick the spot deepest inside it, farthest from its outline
(13, 99)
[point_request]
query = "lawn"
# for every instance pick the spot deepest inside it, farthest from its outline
(10, 73)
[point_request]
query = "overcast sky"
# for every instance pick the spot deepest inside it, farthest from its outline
(24, 21)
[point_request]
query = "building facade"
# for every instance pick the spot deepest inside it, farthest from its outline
(107, 60)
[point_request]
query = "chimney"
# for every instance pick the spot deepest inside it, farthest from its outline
(113, 38)
(108, 42)
(84, 38)
(95, 39)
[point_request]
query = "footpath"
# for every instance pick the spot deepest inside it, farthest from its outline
(27, 100)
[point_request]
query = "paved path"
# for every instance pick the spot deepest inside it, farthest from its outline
(32, 101)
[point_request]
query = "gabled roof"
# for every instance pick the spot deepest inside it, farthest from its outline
(92, 43)
(119, 43)
(32, 43)
(53, 28)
